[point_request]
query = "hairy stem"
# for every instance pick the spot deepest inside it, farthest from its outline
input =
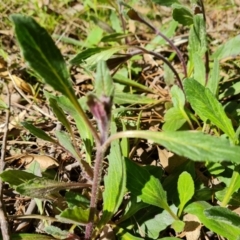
(95, 190)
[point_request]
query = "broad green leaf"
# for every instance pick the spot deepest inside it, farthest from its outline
(65, 142)
(44, 188)
(154, 222)
(56, 232)
(41, 53)
(115, 182)
(173, 120)
(75, 215)
(178, 226)
(182, 14)
(168, 77)
(60, 114)
(217, 220)
(214, 77)
(167, 3)
(28, 236)
(133, 206)
(103, 82)
(128, 98)
(37, 132)
(207, 106)
(194, 145)
(94, 36)
(176, 116)
(16, 177)
(125, 235)
(147, 187)
(76, 199)
(228, 49)
(185, 189)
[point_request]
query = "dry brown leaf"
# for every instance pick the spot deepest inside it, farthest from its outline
(45, 162)
(24, 86)
(192, 227)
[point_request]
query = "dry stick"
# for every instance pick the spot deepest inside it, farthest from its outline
(3, 216)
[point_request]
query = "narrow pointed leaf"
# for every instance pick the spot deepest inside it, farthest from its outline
(44, 188)
(41, 53)
(115, 183)
(207, 106)
(60, 114)
(37, 132)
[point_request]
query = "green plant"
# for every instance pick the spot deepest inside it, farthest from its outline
(195, 106)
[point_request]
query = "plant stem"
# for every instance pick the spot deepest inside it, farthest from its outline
(95, 190)
(234, 185)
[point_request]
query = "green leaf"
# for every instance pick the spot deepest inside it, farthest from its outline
(80, 57)
(60, 114)
(207, 106)
(75, 215)
(214, 78)
(125, 235)
(44, 188)
(219, 220)
(133, 206)
(178, 226)
(16, 177)
(167, 3)
(37, 132)
(176, 116)
(147, 187)
(3, 105)
(103, 82)
(56, 232)
(185, 189)
(115, 182)
(41, 53)
(94, 36)
(83, 130)
(194, 145)
(232, 90)
(197, 41)
(154, 222)
(129, 98)
(76, 199)
(28, 236)
(199, 69)
(173, 120)
(128, 82)
(228, 49)
(65, 141)
(182, 14)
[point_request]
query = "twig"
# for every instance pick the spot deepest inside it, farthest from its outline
(3, 216)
